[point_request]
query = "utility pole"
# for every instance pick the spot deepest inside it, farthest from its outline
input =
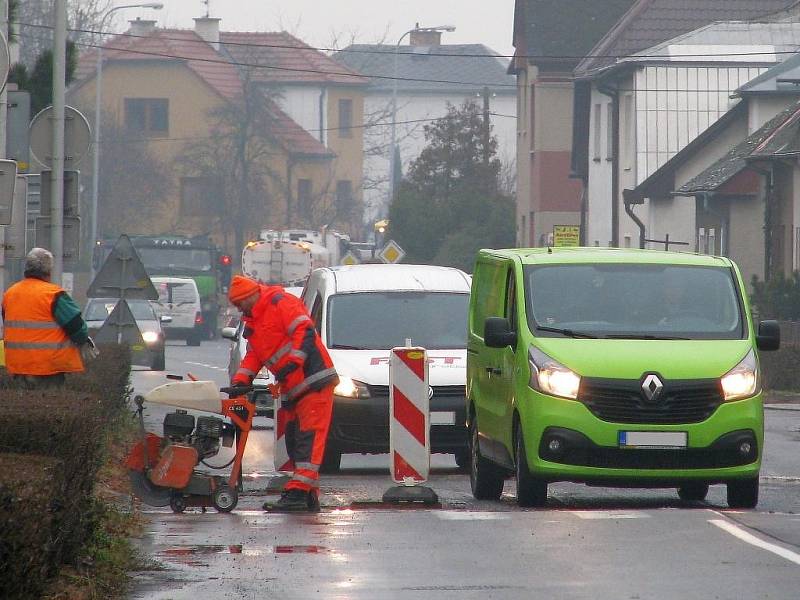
(487, 126)
(3, 132)
(59, 85)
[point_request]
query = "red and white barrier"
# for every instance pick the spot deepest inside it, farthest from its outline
(409, 416)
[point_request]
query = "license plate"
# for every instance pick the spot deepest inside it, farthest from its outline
(653, 439)
(443, 418)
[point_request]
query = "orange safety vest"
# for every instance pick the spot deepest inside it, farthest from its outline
(34, 343)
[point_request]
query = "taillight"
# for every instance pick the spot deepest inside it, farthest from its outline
(198, 319)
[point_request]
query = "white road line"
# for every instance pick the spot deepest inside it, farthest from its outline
(452, 515)
(206, 366)
(749, 538)
(609, 514)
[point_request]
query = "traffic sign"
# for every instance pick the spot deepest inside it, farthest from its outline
(77, 137)
(122, 275)
(15, 232)
(72, 192)
(392, 253)
(8, 180)
(566, 236)
(120, 327)
(72, 236)
(350, 259)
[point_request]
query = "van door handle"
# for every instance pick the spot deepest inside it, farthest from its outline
(494, 371)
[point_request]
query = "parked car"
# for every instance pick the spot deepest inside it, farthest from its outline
(238, 348)
(179, 299)
(619, 367)
(362, 312)
(150, 325)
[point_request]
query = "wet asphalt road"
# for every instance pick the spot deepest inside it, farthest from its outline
(588, 543)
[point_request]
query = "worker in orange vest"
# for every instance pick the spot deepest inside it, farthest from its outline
(44, 333)
(282, 337)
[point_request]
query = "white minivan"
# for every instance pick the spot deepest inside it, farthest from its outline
(178, 298)
(362, 312)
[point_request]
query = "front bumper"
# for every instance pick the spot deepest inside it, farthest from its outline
(591, 452)
(362, 425)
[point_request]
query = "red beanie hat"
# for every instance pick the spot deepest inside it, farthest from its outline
(241, 288)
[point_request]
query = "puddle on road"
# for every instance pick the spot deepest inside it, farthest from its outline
(190, 555)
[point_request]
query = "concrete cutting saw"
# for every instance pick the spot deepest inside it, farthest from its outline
(164, 470)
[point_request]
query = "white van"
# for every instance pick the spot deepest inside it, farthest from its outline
(178, 298)
(362, 312)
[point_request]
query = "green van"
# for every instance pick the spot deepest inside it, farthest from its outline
(630, 368)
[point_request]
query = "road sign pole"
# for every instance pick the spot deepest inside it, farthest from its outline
(59, 84)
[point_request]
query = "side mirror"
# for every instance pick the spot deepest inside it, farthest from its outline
(769, 336)
(497, 333)
(229, 333)
(165, 319)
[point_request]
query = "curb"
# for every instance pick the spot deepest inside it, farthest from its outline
(789, 407)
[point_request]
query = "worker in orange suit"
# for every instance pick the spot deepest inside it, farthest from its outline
(282, 337)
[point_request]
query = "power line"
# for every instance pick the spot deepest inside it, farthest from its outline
(434, 54)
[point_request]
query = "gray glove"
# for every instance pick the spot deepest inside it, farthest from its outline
(89, 351)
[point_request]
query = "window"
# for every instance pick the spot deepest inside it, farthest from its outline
(345, 118)
(344, 197)
(598, 130)
(609, 131)
(316, 314)
(200, 197)
(147, 116)
(303, 197)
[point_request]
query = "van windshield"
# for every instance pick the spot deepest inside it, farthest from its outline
(379, 321)
(633, 301)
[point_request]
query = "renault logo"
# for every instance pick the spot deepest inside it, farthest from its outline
(652, 387)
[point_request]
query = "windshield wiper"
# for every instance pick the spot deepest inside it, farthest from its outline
(346, 347)
(643, 336)
(567, 332)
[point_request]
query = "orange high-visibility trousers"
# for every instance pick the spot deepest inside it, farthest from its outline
(308, 421)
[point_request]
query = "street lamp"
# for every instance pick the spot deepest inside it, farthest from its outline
(392, 152)
(97, 101)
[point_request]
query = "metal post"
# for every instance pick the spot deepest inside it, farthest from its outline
(3, 118)
(59, 84)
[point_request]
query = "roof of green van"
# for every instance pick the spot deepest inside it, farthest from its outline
(533, 256)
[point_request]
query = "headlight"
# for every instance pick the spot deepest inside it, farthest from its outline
(551, 377)
(350, 388)
(149, 337)
(741, 381)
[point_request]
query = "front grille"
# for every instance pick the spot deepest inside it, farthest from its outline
(623, 401)
(439, 391)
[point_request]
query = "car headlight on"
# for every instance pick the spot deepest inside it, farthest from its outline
(350, 388)
(551, 377)
(150, 337)
(741, 381)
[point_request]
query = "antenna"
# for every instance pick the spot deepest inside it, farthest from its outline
(208, 7)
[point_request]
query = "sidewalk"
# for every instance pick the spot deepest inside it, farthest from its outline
(781, 400)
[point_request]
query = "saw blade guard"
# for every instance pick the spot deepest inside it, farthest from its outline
(191, 395)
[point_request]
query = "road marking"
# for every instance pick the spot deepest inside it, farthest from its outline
(749, 538)
(197, 364)
(608, 514)
(465, 515)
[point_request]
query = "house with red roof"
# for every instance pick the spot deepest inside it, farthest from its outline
(168, 89)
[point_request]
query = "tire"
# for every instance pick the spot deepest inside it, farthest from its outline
(463, 460)
(743, 493)
(177, 503)
(693, 491)
(331, 462)
(225, 498)
(485, 478)
(531, 490)
(160, 361)
(193, 339)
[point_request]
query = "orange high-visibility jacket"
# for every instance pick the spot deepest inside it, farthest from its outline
(281, 336)
(34, 343)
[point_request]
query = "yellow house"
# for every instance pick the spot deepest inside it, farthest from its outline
(182, 99)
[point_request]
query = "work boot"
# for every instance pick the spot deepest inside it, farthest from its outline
(290, 501)
(313, 501)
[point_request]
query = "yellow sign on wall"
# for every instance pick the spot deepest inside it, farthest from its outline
(565, 236)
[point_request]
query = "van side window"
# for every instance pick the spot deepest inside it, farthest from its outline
(316, 314)
(487, 299)
(511, 300)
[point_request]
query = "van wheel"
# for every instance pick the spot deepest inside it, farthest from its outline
(193, 339)
(331, 462)
(743, 493)
(159, 362)
(531, 491)
(485, 478)
(462, 459)
(694, 491)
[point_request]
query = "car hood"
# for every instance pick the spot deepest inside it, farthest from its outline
(445, 367)
(629, 359)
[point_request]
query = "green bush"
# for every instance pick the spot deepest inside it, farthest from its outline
(778, 298)
(779, 369)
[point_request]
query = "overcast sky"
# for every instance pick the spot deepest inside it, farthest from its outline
(318, 22)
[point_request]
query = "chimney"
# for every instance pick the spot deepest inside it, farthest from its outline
(208, 29)
(425, 38)
(142, 27)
